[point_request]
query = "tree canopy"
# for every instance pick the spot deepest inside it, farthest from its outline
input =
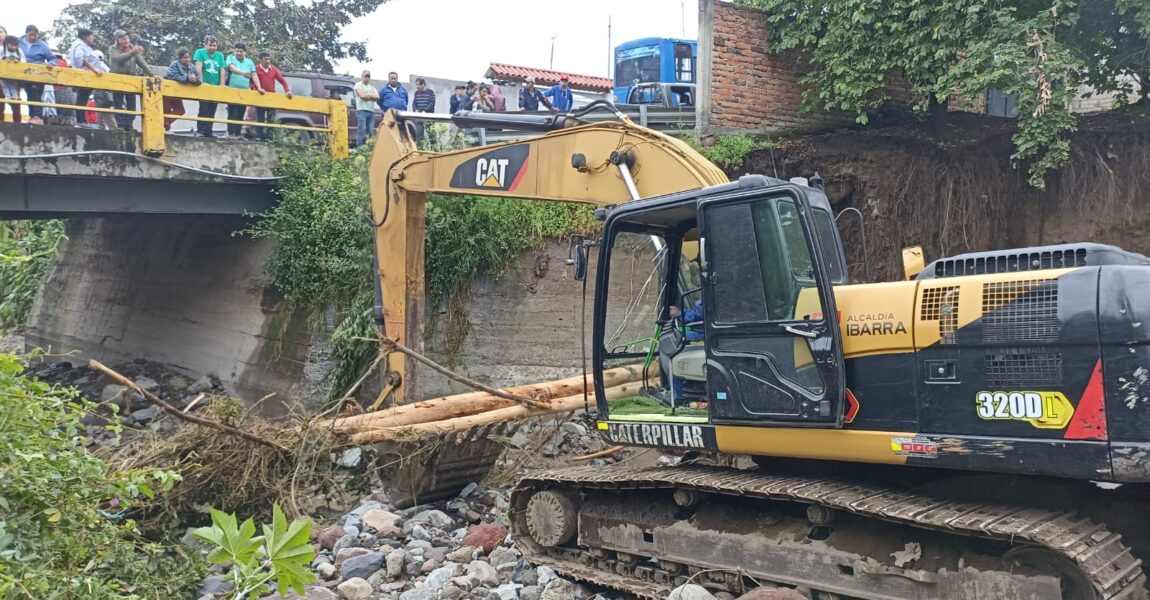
(301, 35)
(1044, 51)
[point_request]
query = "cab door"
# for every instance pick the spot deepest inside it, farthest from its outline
(774, 352)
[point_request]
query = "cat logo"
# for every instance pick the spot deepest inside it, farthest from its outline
(502, 169)
(491, 172)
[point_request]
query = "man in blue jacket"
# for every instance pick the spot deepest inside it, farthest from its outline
(561, 97)
(393, 95)
(37, 52)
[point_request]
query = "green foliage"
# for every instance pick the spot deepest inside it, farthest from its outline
(729, 152)
(323, 256)
(26, 250)
(282, 555)
(1040, 49)
(299, 34)
(63, 527)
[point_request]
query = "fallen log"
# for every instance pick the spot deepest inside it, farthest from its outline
(461, 405)
(376, 434)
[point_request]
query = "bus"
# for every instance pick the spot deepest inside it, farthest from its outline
(653, 60)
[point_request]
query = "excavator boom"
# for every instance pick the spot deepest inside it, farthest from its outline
(603, 164)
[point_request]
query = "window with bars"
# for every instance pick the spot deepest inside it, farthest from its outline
(1020, 311)
(1015, 367)
(941, 304)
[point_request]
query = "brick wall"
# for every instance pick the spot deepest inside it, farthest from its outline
(743, 87)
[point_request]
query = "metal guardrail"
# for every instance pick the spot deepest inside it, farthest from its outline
(153, 90)
(665, 120)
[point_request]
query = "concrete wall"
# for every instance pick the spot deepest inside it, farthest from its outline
(179, 290)
(526, 325)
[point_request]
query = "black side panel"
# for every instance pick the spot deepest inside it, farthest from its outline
(1034, 345)
(1124, 313)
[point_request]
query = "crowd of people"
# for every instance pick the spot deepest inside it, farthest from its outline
(207, 66)
(470, 97)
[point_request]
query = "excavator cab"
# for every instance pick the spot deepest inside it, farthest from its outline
(770, 351)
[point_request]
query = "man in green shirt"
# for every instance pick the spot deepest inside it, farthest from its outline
(241, 75)
(210, 65)
(126, 59)
(365, 98)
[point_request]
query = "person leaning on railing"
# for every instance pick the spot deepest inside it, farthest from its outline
(126, 59)
(11, 88)
(181, 71)
(266, 76)
(36, 52)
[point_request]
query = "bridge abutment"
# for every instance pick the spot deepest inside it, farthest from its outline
(176, 289)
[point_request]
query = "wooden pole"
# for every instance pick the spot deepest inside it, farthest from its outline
(374, 435)
(459, 405)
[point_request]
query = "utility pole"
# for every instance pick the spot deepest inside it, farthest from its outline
(552, 66)
(683, 16)
(610, 50)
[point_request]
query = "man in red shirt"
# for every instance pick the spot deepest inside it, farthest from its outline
(268, 75)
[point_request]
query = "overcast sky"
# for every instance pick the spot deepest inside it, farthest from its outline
(456, 39)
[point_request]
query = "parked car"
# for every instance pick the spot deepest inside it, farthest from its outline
(320, 85)
(665, 95)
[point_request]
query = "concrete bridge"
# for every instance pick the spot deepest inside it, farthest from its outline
(62, 172)
(152, 266)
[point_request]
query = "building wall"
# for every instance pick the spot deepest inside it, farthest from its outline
(743, 87)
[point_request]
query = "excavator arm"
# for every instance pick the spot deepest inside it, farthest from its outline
(603, 164)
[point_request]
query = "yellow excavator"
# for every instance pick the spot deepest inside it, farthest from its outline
(980, 429)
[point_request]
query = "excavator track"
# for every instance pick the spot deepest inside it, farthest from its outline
(1098, 558)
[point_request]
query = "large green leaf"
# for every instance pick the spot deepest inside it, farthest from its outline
(289, 551)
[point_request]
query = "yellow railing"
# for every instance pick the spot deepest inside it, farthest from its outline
(153, 90)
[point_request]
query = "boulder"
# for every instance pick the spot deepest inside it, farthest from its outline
(330, 535)
(379, 519)
(346, 553)
(395, 561)
(215, 584)
(355, 589)
(484, 572)
(420, 593)
(361, 566)
(435, 518)
(558, 589)
(486, 535)
(507, 591)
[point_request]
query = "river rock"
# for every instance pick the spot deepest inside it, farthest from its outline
(329, 536)
(355, 589)
(507, 591)
(325, 570)
(486, 536)
(361, 566)
(420, 593)
(463, 554)
(435, 518)
(558, 589)
(420, 533)
(484, 572)
(438, 578)
(202, 384)
(502, 556)
(395, 561)
(452, 592)
(530, 592)
(690, 591)
(379, 519)
(546, 575)
(346, 553)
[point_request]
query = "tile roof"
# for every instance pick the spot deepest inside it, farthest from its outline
(547, 77)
